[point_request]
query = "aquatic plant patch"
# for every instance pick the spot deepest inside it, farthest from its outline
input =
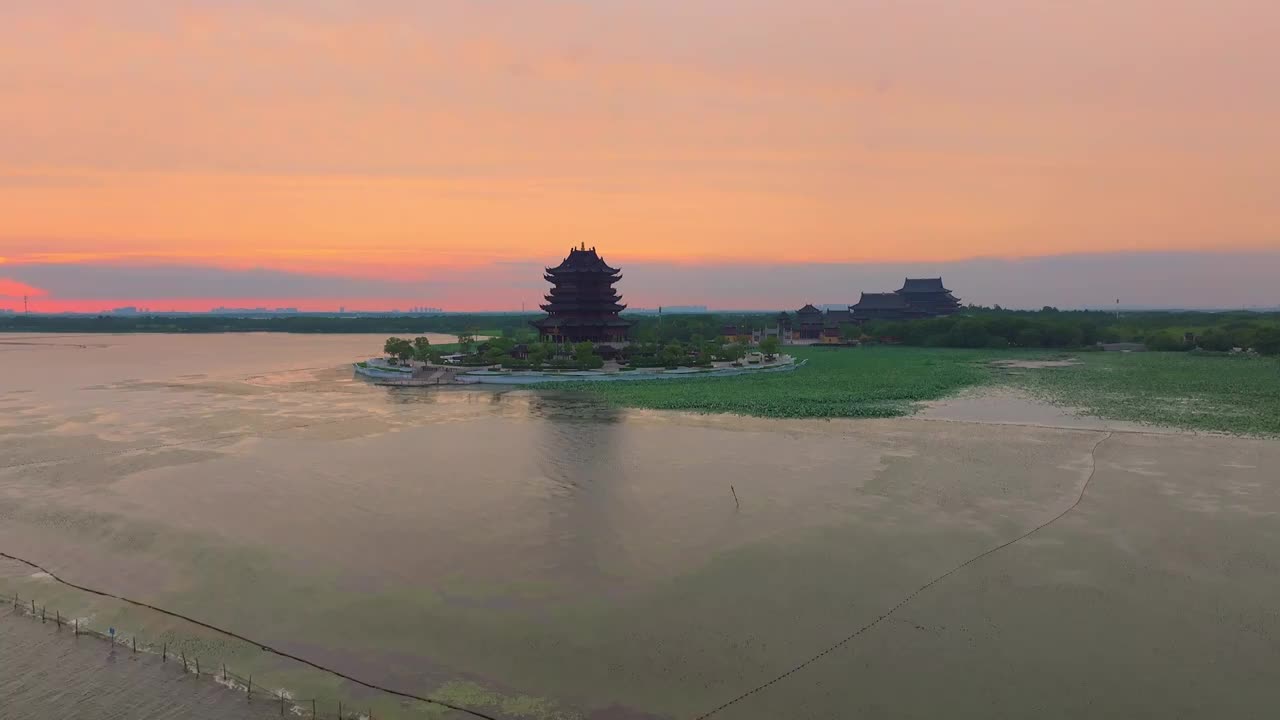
(835, 382)
(1217, 392)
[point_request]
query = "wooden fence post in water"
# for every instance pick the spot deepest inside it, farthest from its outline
(197, 666)
(42, 609)
(313, 709)
(164, 653)
(184, 661)
(281, 703)
(135, 644)
(339, 710)
(77, 627)
(33, 608)
(224, 672)
(248, 690)
(57, 618)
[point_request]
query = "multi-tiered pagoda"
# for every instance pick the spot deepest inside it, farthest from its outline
(583, 304)
(928, 296)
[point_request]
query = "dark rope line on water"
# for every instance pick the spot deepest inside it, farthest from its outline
(1093, 456)
(264, 647)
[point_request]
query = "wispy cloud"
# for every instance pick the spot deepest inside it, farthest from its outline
(393, 136)
(407, 140)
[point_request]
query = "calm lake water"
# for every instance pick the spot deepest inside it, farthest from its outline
(542, 556)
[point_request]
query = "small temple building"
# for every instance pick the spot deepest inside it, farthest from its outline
(929, 296)
(583, 305)
(784, 324)
(808, 324)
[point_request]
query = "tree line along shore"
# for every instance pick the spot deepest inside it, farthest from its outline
(972, 327)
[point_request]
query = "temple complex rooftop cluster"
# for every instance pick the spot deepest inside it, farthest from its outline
(584, 306)
(917, 298)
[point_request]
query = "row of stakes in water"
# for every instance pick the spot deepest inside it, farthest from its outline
(164, 657)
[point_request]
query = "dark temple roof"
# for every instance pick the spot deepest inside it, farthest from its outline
(880, 301)
(582, 260)
(923, 285)
(573, 321)
(835, 317)
(808, 310)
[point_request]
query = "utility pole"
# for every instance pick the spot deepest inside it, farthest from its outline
(25, 308)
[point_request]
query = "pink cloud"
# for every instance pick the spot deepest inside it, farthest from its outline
(13, 289)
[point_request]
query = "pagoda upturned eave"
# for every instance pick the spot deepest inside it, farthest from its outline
(564, 273)
(557, 308)
(600, 290)
(557, 321)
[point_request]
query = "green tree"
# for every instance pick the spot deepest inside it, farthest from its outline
(1166, 340)
(539, 353)
(733, 352)
(495, 355)
(465, 340)
(584, 356)
(769, 346)
(1267, 341)
(1215, 340)
(398, 348)
(422, 349)
(673, 354)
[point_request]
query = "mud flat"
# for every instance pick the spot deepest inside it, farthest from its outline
(1004, 405)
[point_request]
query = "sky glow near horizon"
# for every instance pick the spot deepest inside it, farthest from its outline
(733, 154)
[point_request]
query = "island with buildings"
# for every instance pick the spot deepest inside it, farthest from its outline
(583, 336)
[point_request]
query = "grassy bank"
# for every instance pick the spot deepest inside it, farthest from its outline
(836, 382)
(1236, 394)
(1225, 393)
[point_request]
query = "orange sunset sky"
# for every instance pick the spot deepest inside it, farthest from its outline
(179, 155)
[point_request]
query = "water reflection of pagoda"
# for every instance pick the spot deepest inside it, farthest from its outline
(583, 304)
